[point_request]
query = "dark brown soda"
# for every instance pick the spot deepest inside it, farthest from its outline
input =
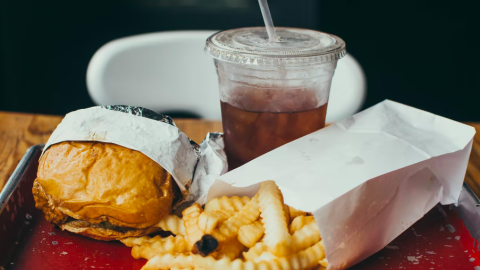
(250, 134)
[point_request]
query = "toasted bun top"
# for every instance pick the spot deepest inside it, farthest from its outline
(95, 182)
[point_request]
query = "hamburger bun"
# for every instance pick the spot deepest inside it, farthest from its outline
(102, 190)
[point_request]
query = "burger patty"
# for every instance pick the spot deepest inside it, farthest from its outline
(104, 230)
(75, 223)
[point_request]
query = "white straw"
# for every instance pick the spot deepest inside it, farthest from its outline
(267, 17)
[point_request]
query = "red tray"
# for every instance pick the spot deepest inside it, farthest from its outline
(445, 238)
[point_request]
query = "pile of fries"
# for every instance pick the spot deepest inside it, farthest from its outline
(235, 233)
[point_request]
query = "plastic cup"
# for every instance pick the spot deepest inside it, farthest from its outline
(272, 93)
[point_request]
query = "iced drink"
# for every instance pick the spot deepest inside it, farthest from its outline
(272, 94)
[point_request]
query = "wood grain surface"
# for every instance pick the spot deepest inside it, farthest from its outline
(472, 178)
(20, 131)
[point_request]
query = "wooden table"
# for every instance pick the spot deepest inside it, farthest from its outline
(20, 131)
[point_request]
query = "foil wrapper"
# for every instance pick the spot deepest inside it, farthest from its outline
(193, 166)
(140, 111)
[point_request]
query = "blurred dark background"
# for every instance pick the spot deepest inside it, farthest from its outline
(422, 53)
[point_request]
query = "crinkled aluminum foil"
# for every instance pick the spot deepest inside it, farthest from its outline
(143, 112)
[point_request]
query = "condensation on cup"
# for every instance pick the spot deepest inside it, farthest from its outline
(272, 93)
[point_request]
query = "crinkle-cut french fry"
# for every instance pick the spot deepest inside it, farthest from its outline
(250, 234)
(208, 221)
(323, 262)
(302, 260)
(295, 213)
(306, 237)
(172, 223)
(265, 257)
(217, 204)
(228, 230)
(190, 219)
(245, 200)
(158, 245)
(225, 264)
(234, 203)
(299, 222)
(167, 261)
(318, 267)
(231, 250)
(255, 251)
(286, 211)
(277, 236)
(132, 241)
(239, 202)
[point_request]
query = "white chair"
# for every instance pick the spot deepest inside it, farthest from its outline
(168, 71)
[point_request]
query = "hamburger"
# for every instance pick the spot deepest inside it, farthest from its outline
(102, 190)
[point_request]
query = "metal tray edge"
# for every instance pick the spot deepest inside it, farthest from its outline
(16, 176)
(469, 211)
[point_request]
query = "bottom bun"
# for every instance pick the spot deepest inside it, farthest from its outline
(104, 232)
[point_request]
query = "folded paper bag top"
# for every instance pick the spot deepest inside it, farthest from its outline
(367, 178)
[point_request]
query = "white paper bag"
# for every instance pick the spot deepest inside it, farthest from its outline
(367, 178)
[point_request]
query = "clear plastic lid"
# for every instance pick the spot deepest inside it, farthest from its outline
(251, 46)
